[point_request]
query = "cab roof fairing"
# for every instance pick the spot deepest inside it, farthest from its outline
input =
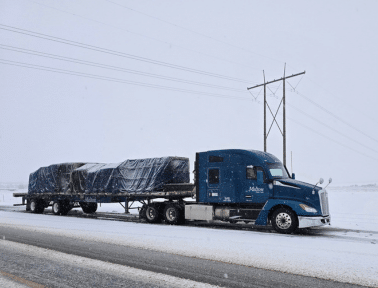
(258, 158)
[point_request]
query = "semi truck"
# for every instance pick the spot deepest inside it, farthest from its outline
(229, 185)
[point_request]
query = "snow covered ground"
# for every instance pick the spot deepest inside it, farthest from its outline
(354, 207)
(345, 256)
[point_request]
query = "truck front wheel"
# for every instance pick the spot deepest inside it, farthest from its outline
(284, 220)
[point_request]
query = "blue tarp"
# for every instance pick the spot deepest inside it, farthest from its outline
(133, 176)
(53, 178)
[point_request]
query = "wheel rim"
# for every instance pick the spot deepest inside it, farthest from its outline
(171, 214)
(151, 213)
(283, 220)
(55, 207)
(32, 206)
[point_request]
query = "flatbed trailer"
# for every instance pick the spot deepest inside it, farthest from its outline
(62, 203)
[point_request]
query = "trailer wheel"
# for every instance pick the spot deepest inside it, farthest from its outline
(142, 212)
(57, 207)
(88, 208)
(284, 220)
(67, 207)
(36, 206)
(152, 213)
(27, 205)
(173, 214)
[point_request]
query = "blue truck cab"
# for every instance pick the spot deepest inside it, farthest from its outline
(249, 185)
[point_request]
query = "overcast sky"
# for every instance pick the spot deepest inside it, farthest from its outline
(178, 82)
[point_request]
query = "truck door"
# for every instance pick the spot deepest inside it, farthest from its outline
(253, 192)
(220, 187)
(213, 183)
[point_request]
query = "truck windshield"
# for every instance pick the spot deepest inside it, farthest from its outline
(277, 170)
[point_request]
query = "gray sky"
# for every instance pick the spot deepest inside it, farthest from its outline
(48, 117)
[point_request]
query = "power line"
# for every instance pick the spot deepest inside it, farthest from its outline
(229, 44)
(301, 124)
(335, 116)
(192, 31)
(116, 53)
(111, 79)
(329, 127)
(141, 35)
(330, 139)
(86, 75)
(332, 95)
(94, 64)
(171, 44)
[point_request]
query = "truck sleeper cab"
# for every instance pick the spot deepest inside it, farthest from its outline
(248, 185)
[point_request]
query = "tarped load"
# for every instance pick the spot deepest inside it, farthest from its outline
(132, 176)
(53, 178)
(79, 176)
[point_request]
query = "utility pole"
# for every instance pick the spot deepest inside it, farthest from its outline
(283, 101)
(264, 113)
(284, 118)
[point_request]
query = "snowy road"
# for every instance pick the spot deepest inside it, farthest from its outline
(207, 255)
(61, 270)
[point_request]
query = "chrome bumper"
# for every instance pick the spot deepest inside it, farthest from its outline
(305, 222)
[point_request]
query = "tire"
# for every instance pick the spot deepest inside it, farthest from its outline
(142, 212)
(57, 207)
(61, 207)
(284, 220)
(27, 205)
(153, 214)
(88, 208)
(36, 206)
(173, 214)
(233, 221)
(67, 207)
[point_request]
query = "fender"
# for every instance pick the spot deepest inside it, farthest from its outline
(262, 219)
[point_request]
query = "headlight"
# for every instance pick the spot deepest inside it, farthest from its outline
(308, 208)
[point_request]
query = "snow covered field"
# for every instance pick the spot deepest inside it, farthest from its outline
(345, 256)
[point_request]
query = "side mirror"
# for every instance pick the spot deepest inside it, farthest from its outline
(260, 177)
(321, 180)
(292, 175)
(330, 181)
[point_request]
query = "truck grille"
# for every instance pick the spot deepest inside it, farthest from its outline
(323, 195)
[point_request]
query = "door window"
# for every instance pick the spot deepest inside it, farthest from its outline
(213, 176)
(251, 172)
